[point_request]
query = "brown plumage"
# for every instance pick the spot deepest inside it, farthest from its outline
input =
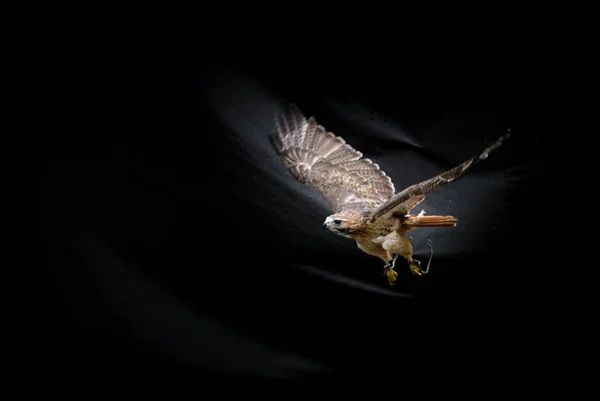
(362, 197)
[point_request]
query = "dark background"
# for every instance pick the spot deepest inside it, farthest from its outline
(176, 241)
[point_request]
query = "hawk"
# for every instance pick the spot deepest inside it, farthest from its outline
(365, 206)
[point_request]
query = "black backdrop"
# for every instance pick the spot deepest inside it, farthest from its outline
(176, 240)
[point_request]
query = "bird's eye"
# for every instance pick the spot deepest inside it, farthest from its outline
(337, 221)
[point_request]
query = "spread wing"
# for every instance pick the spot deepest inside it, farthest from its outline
(402, 201)
(328, 164)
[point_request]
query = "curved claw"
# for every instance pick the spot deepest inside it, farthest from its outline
(388, 270)
(392, 276)
(415, 267)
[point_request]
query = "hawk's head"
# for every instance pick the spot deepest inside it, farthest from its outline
(340, 223)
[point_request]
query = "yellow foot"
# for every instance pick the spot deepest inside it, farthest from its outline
(415, 267)
(392, 276)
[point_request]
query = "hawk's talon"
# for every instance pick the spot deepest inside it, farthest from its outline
(391, 275)
(415, 267)
(388, 270)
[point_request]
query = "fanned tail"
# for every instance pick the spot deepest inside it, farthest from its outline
(430, 221)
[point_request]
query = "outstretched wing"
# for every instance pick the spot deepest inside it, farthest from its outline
(328, 164)
(402, 201)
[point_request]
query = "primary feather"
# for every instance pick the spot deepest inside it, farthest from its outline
(398, 203)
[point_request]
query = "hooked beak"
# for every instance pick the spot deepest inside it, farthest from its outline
(325, 225)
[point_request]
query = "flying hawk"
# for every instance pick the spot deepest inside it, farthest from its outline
(365, 205)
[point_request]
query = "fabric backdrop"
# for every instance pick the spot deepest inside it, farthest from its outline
(177, 240)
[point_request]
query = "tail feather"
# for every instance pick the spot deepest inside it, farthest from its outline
(430, 221)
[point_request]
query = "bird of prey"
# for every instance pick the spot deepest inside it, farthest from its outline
(365, 205)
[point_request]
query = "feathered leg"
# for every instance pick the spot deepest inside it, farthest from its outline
(377, 250)
(398, 244)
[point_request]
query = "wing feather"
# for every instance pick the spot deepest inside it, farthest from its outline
(403, 201)
(328, 164)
